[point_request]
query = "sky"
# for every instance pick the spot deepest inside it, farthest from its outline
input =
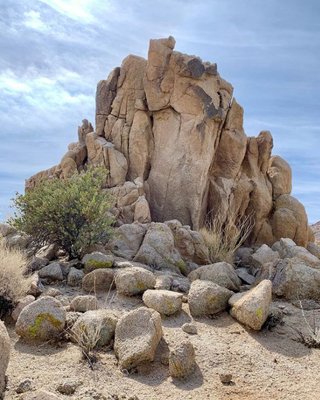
(53, 53)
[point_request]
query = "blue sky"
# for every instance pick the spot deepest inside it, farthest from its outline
(53, 52)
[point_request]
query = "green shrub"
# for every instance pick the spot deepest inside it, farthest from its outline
(72, 213)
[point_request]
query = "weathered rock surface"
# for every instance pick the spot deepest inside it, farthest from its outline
(314, 249)
(252, 309)
(52, 272)
(293, 279)
(207, 298)
(99, 323)
(222, 273)
(20, 306)
(97, 260)
(171, 135)
(75, 277)
(181, 360)
(42, 320)
(4, 357)
(128, 240)
(163, 301)
(134, 280)
(158, 248)
(137, 336)
(98, 280)
(84, 303)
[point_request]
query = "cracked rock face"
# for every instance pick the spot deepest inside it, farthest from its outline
(171, 135)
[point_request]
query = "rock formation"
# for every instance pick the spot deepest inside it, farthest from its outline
(171, 136)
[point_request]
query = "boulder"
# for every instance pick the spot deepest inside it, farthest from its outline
(302, 254)
(36, 287)
(98, 280)
(127, 240)
(252, 309)
(83, 303)
(264, 255)
(244, 275)
(6, 229)
(163, 301)
(158, 248)
(134, 280)
(98, 324)
(163, 282)
(52, 272)
(4, 357)
(181, 359)
(207, 298)
(42, 320)
(293, 279)
(49, 251)
(17, 240)
(222, 273)
(75, 277)
(22, 303)
(97, 260)
(36, 263)
(314, 249)
(137, 336)
(189, 328)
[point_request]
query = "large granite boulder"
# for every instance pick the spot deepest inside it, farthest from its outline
(41, 320)
(137, 336)
(170, 134)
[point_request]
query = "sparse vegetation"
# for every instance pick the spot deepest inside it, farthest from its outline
(72, 213)
(224, 237)
(312, 337)
(13, 283)
(87, 338)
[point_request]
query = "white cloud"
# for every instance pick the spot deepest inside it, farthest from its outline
(41, 91)
(80, 10)
(33, 20)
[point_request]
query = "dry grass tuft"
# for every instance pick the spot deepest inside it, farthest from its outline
(224, 237)
(312, 338)
(13, 284)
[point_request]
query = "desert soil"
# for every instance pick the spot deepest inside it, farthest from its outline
(269, 364)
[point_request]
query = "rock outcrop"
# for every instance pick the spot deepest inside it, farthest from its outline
(170, 134)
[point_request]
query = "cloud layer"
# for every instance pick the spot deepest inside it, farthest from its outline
(55, 51)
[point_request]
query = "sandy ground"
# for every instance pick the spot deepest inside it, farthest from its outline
(264, 365)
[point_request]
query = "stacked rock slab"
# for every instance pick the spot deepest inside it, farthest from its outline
(171, 136)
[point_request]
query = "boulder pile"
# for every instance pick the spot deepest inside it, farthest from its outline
(170, 134)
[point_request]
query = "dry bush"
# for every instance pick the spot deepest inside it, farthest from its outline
(13, 283)
(312, 338)
(87, 339)
(224, 237)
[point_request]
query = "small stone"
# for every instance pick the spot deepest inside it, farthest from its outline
(191, 329)
(181, 360)
(68, 387)
(24, 386)
(225, 378)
